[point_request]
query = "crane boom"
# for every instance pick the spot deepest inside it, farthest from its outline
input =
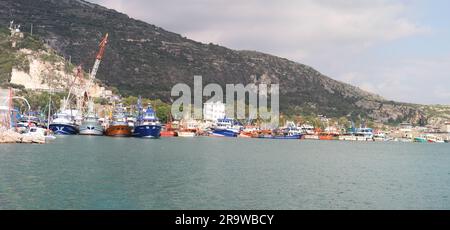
(98, 60)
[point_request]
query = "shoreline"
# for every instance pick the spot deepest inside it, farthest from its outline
(11, 137)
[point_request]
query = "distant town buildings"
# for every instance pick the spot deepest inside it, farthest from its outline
(213, 111)
(446, 127)
(15, 34)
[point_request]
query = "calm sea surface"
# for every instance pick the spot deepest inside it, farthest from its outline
(218, 173)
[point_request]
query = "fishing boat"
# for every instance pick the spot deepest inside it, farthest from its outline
(331, 133)
(327, 137)
(434, 139)
(421, 139)
(364, 134)
(188, 128)
(284, 134)
(147, 125)
(119, 126)
(168, 131)
(91, 126)
(308, 129)
(63, 124)
(379, 136)
(226, 128)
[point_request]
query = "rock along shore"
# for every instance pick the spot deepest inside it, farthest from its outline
(10, 137)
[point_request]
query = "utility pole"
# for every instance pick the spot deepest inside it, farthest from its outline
(31, 29)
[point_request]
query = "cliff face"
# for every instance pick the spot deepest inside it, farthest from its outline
(33, 66)
(143, 59)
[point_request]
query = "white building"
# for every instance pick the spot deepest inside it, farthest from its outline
(446, 127)
(213, 111)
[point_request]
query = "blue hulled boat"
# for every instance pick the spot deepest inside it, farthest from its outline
(63, 125)
(147, 125)
(226, 128)
(287, 137)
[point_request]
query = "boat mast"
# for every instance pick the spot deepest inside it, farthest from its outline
(10, 108)
(49, 111)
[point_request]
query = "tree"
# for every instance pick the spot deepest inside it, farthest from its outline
(344, 123)
(130, 100)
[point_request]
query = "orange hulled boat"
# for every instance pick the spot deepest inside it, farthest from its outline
(119, 125)
(168, 131)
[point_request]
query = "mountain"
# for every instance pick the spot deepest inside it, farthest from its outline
(143, 59)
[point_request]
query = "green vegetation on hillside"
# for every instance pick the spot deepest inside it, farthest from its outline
(10, 58)
(39, 101)
(7, 57)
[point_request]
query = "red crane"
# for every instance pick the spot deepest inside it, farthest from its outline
(98, 60)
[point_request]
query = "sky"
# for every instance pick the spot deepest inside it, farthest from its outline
(399, 49)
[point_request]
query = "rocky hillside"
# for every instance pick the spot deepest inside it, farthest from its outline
(29, 64)
(145, 59)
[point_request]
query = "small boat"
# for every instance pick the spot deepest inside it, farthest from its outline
(63, 125)
(246, 134)
(119, 126)
(311, 137)
(434, 139)
(379, 136)
(287, 137)
(308, 129)
(347, 137)
(249, 132)
(91, 126)
(420, 139)
(327, 137)
(283, 136)
(226, 128)
(147, 125)
(291, 132)
(39, 134)
(186, 134)
(188, 128)
(364, 134)
(168, 131)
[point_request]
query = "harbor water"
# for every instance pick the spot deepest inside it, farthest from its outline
(77, 172)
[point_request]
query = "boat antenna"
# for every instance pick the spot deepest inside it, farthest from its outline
(139, 106)
(49, 111)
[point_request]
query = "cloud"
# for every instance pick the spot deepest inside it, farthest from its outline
(293, 29)
(409, 80)
(341, 38)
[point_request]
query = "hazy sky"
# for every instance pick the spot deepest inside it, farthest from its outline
(398, 49)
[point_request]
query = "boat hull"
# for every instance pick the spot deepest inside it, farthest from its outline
(168, 134)
(327, 138)
(246, 135)
(420, 140)
(293, 137)
(147, 131)
(224, 133)
(91, 130)
(186, 134)
(119, 131)
(64, 129)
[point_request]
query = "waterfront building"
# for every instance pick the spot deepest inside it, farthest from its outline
(212, 111)
(446, 128)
